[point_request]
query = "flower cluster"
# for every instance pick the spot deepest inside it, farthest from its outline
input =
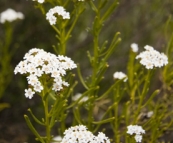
(80, 134)
(37, 64)
(120, 75)
(134, 47)
(39, 1)
(10, 15)
(137, 130)
(152, 58)
(60, 11)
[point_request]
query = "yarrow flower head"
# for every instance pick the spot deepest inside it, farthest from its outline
(152, 58)
(137, 130)
(10, 15)
(58, 10)
(134, 47)
(38, 63)
(120, 75)
(80, 134)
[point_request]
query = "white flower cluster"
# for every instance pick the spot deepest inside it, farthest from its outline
(134, 47)
(51, 14)
(81, 135)
(152, 58)
(37, 63)
(120, 75)
(137, 130)
(10, 15)
(39, 1)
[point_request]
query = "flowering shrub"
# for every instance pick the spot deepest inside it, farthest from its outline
(117, 110)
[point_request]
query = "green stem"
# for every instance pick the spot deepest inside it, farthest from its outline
(72, 27)
(143, 94)
(116, 131)
(62, 46)
(96, 39)
(90, 115)
(47, 122)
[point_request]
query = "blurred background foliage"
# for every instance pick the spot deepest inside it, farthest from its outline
(142, 22)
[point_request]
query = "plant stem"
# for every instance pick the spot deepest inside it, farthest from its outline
(62, 46)
(142, 96)
(47, 122)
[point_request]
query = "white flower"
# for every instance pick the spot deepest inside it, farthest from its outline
(81, 135)
(137, 130)
(65, 83)
(38, 87)
(10, 15)
(50, 15)
(57, 86)
(32, 79)
(29, 93)
(101, 138)
(134, 47)
(152, 58)
(120, 75)
(38, 72)
(38, 63)
(138, 138)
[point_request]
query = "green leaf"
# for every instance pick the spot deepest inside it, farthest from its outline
(33, 129)
(102, 3)
(109, 11)
(38, 121)
(151, 97)
(104, 121)
(109, 90)
(93, 6)
(77, 115)
(81, 78)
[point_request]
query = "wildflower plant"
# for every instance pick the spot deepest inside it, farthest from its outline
(126, 103)
(45, 73)
(7, 19)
